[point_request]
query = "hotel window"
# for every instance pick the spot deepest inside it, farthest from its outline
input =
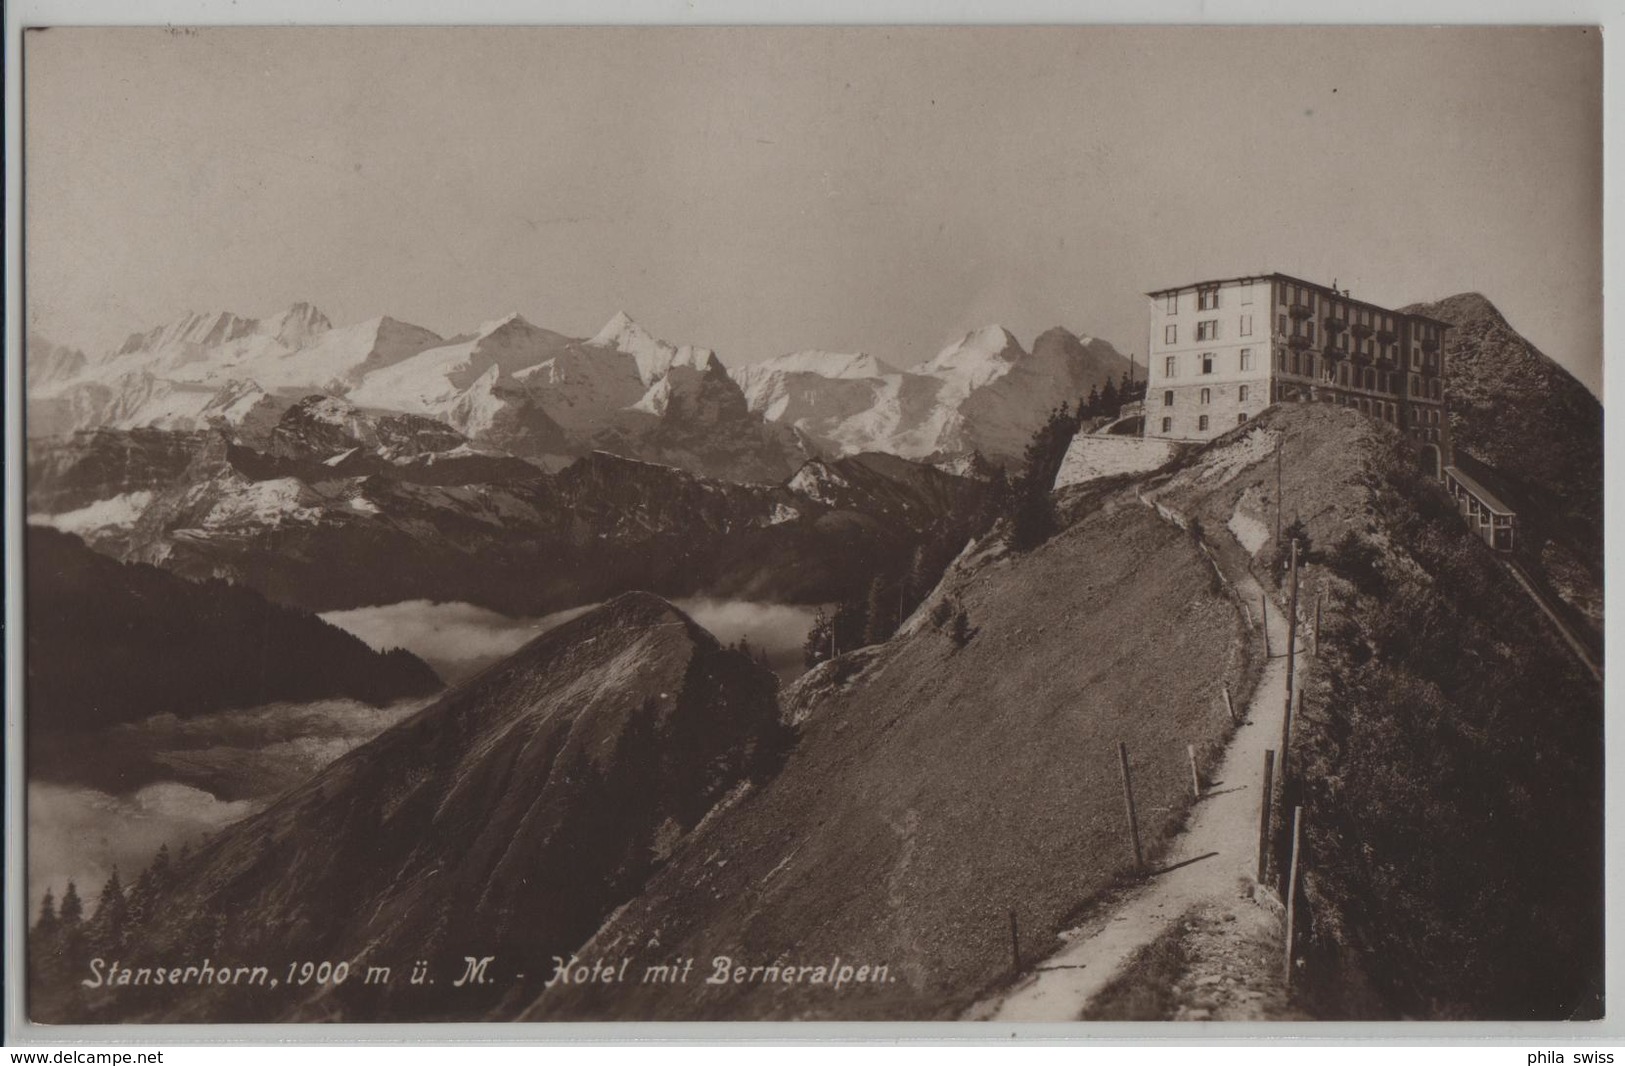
(1246, 295)
(1167, 425)
(1241, 394)
(1170, 366)
(1207, 330)
(1343, 374)
(1173, 303)
(1246, 325)
(1241, 418)
(1246, 359)
(1207, 300)
(1170, 334)
(1280, 324)
(1168, 398)
(1280, 358)
(1207, 362)
(1201, 424)
(1207, 395)
(1309, 330)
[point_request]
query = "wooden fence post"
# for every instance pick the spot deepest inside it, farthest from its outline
(1230, 706)
(1196, 777)
(1292, 890)
(1291, 664)
(1128, 800)
(1264, 803)
(1015, 945)
(1292, 623)
(1264, 621)
(1286, 736)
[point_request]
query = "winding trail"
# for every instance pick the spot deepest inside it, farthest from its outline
(1213, 863)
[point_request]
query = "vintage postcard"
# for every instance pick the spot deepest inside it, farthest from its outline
(812, 524)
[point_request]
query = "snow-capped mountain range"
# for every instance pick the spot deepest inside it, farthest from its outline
(515, 387)
(982, 393)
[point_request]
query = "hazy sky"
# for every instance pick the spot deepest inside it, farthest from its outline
(760, 191)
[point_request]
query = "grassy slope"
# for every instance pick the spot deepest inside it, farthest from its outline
(1450, 746)
(1452, 749)
(942, 786)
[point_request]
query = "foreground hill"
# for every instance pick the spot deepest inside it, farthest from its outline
(111, 642)
(507, 819)
(961, 770)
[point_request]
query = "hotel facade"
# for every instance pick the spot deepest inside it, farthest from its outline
(1221, 351)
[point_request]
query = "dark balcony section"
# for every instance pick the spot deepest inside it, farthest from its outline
(1360, 330)
(1299, 342)
(1386, 336)
(1300, 309)
(1335, 324)
(1430, 344)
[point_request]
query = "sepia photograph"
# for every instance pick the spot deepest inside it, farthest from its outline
(808, 524)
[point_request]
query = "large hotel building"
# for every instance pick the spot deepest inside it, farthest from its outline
(1221, 351)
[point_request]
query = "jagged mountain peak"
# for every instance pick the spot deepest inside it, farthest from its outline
(295, 326)
(620, 325)
(977, 358)
(291, 328)
(655, 357)
(513, 320)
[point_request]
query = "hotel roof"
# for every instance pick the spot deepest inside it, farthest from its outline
(1277, 276)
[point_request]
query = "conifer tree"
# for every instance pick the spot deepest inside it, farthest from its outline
(816, 648)
(72, 912)
(108, 926)
(46, 925)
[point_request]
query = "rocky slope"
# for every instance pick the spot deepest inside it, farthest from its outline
(982, 394)
(1536, 426)
(162, 645)
(508, 819)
